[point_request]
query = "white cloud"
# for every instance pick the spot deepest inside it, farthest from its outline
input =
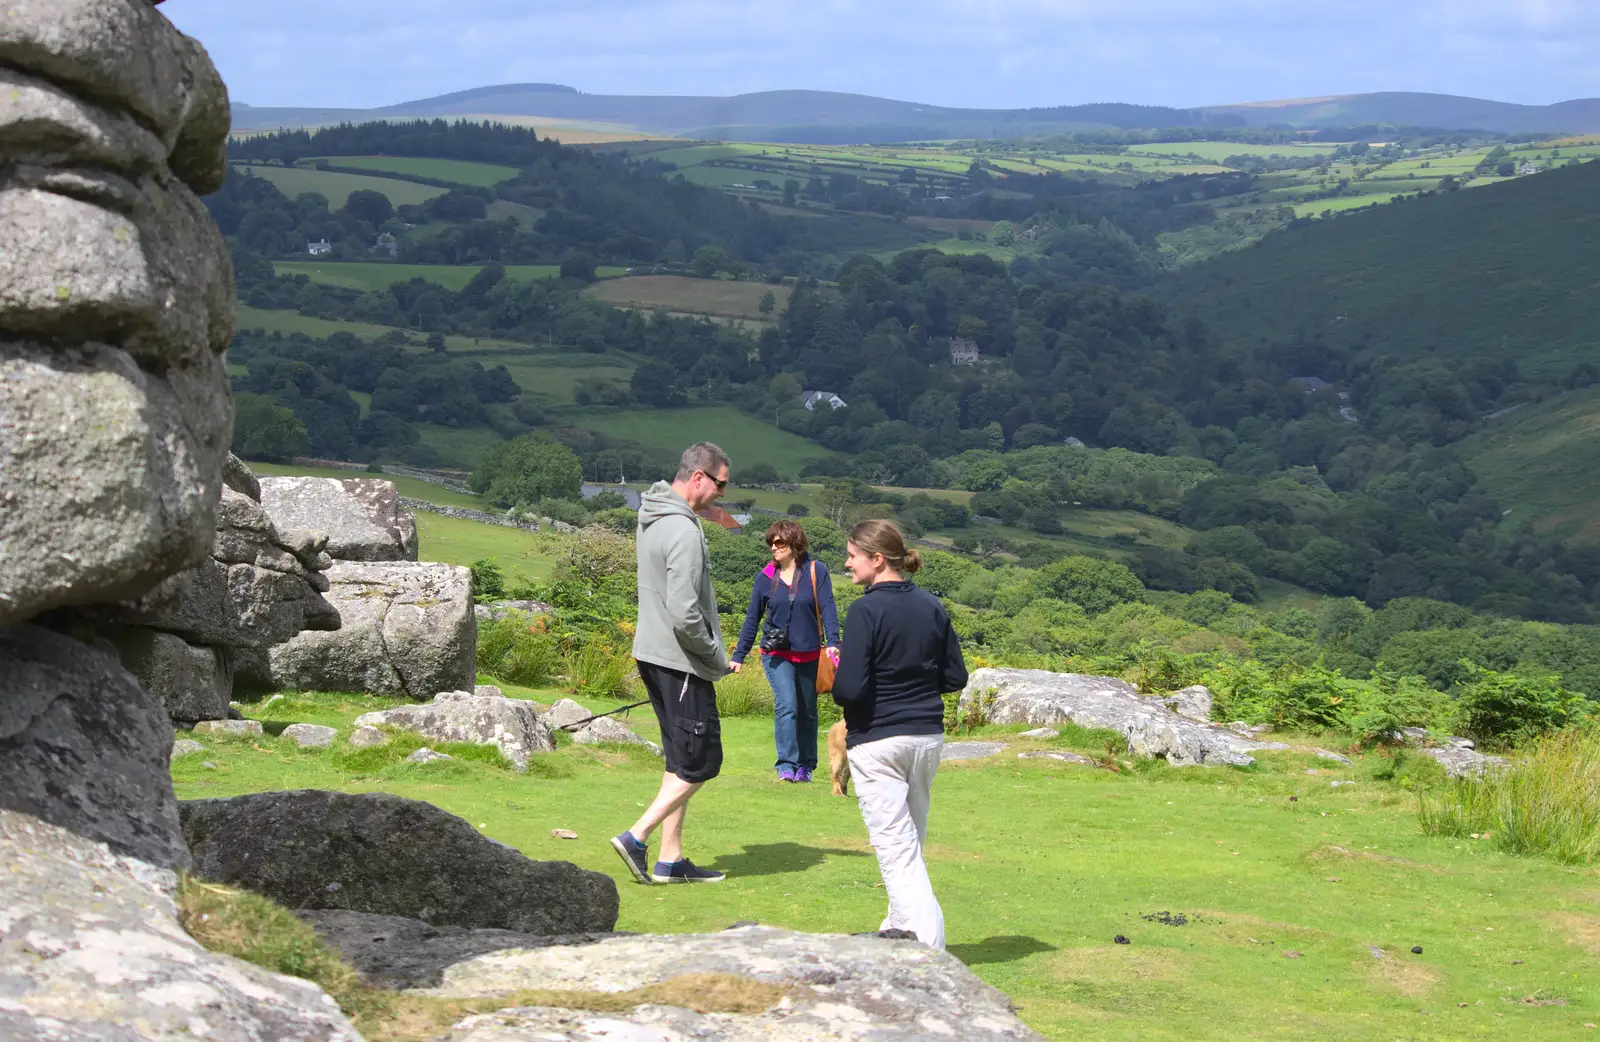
(999, 53)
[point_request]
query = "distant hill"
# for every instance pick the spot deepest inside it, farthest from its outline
(1542, 462)
(1505, 270)
(827, 117)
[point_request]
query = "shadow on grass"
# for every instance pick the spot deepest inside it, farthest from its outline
(1009, 948)
(771, 859)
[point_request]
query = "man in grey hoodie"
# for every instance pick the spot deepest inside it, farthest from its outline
(679, 649)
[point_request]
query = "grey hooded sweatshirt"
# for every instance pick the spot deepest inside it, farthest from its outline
(678, 625)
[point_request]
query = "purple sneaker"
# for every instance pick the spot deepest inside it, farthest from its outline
(802, 774)
(787, 773)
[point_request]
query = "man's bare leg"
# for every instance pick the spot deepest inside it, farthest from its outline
(667, 813)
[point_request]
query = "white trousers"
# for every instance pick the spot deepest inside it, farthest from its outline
(894, 786)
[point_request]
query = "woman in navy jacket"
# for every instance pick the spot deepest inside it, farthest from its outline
(783, 596)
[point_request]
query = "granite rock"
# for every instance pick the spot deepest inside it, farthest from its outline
(362, 517)
(512, 725)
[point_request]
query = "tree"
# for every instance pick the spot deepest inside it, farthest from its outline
(708, 260)
(265, 430)
(579, 267)
(1004, 233)
(436, 343)
(369, 206)
(785, 388)
(791, 188)
(528, 469)
(837, 498)
(1094, 585)
(768, 303)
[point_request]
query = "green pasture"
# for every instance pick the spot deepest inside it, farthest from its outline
(552, 379)
(748, 440)
(1217, 151)
(1297, 904)
(272, 320)
(480, 175)
(460, 447)
(718, 297)
(293, 181)
(526, 216)
(380, 275)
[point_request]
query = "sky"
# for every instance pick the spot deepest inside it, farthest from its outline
(964, 53)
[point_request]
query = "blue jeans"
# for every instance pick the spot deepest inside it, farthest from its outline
(794, 723)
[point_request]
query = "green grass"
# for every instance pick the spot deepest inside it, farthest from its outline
(1542, 462)
(747, 439)
(460, 447)
(1501, 270)
(481, 175)
(682, 295)
(1038, 865)
(276, 321)
(1216, 151)
(451, 540)
(294, 181)
(380, 275)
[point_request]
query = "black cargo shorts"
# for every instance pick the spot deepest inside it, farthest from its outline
(691, 731)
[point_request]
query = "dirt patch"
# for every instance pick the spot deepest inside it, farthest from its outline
(1332, 852)
(1236, 928)
(1396, 977)
(1582, 930)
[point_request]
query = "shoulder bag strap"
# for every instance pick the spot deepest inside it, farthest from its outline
(816, 603)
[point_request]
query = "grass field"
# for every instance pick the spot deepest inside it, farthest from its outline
(747, 439)
(482, 175)
(272, 320)
(293, 181)
(380, 275)
(411, 487)
(1301, 914)
(459, 447)
(1542, 462)
(683, 295)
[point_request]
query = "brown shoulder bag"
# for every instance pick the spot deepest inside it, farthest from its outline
(824, 663)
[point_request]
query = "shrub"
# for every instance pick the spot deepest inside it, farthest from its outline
(488, 582)
(797, 510)
(745, 693)
(567, 511)
(599, 670)
(620, 520)
(1547, 804)
(1506, 709)
(519, 649)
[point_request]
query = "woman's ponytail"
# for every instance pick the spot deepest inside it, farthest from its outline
(883, 537)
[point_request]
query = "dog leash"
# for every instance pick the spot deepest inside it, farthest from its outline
(599, 716)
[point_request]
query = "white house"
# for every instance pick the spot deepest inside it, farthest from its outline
(963, 352)
(811, 398)
(1528, 168)
(317, 249)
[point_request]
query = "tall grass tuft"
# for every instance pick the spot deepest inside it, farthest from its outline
(1547, 803)
(519, 649)
(745, 693)
(597, 669)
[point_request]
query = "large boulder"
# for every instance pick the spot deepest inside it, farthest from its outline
(408, 629)
(92, 950)
(510, 724)
(839, 987)
(389, 856)
(363, 517)
(394, 952)
(116, 297)
(192, 682)
(83, 748)
(1033, 696)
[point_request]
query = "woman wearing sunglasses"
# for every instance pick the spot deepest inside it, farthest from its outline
(793, 594)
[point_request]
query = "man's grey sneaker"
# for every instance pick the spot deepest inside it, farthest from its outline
(634, 854)
(684, 871)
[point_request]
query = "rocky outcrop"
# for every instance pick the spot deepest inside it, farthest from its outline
(494, 611)
(1031, 696)
(407, 629)
(259, 588)
(389, 856)
(1192, 702)
(363, 517)
(394, 952)
(92, 950)
(116, 302)
(1463, 761)
(510, 724)
(838, 987)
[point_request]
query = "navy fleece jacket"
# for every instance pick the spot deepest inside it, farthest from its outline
(900, 655)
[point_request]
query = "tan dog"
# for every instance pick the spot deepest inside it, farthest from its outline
(838, 760)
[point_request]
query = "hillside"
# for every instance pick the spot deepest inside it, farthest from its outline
(1542, 462)
(829, 117)
(1505, 270)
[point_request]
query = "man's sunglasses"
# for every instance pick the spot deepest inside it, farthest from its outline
(722, 486)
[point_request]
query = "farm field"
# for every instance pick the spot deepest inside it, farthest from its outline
(1289, 890)
(293, 181)
(459, 447)
(273, 320)
(683, 295)
(378, 275)
(481, 175)
(551, 378)
(1542, 462)
(747, 439)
